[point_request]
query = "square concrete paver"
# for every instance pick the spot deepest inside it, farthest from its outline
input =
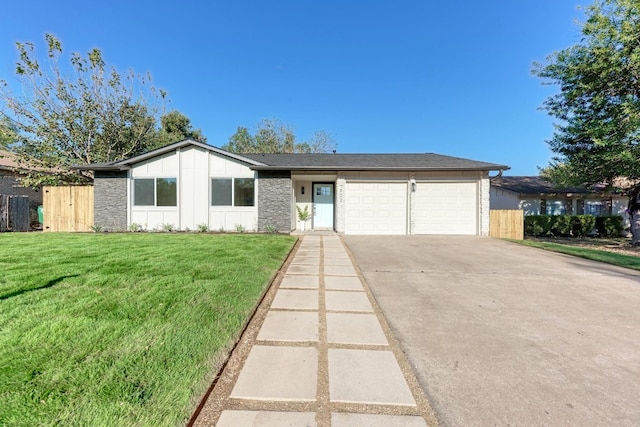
(348, 328)
(289, 326)
(367, 376)
(339, 270)
(308, 253)
(306, 261)
(300, 281)
(347, 301)
(370, 420)
(278, 373)
(266, 419)
(296, 299)
(303, 269)
(335, 253)
(337, 261)
(342, 283)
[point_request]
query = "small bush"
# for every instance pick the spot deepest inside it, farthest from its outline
(537, 225)
(167, 227)
(609, 226)
(582, 225)
(135, 227)
(96, 228)
(202, 228)
(240, 228)
(270, 229)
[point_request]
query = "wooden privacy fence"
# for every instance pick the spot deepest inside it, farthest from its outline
(68, 208)
(506, 224)
(14, 213)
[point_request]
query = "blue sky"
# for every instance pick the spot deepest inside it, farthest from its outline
(447, 77)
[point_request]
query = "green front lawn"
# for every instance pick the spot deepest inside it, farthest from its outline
(621, 260)
(122, 329)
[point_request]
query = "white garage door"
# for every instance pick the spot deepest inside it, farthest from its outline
(446, 208)
(376, 208)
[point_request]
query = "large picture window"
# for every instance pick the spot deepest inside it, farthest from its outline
(232, 192)
(221, 189)
(243, 192)
(155, 192)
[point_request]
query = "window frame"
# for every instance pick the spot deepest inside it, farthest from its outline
(154, 179)
(234, 193)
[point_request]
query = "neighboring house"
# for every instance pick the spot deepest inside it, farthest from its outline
(536, 196)
(10, 173)
(189, 183)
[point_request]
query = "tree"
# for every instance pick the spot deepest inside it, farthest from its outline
(175, 126)
(272, 136)
(89, 114)
(597, 137)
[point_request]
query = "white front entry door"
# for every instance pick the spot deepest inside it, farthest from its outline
(323, 206)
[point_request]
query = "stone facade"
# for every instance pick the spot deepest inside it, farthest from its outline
(274, 200)
(110, 200)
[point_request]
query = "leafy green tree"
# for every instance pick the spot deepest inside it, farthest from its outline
(175, 126)
(85, 112)
(272, 136)
(597, 136)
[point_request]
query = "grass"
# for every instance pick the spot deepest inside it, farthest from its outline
(621, 260)
(122, 329)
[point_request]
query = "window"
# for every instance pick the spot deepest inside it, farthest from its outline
(221, 191)
(594, 208)
(143, 192)
(556, 207)
(232, 192)
(243, 192)
(155, 192)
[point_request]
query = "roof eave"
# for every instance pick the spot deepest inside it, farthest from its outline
(381, 169)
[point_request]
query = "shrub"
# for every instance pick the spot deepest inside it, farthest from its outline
(582, 225)
(135, 227)
(240, 228)
(167, 227)
(609, 226)
(537, 225)
(203, 228)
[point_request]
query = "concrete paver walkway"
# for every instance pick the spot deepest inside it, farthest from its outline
(322, 355)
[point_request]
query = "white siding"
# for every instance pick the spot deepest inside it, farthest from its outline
(193, 168)
(152, 217)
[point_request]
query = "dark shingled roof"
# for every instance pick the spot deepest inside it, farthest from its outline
(532, 185)
(320, 161)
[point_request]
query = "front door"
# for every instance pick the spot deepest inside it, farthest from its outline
(323, 206)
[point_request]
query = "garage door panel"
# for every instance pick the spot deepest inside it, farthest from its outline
(376, 208)
(446, 208)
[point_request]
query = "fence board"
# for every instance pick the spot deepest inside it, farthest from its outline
(506, 224)
(19, 213)
(67, 208)
(4, 212)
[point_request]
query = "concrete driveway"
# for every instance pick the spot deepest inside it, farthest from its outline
(502, 334)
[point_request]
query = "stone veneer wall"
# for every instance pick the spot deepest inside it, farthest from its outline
(110, 200)
(274, 200)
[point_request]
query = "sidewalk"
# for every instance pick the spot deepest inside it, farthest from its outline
(318, 353)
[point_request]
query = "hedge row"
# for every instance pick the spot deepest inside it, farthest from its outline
(572, 225)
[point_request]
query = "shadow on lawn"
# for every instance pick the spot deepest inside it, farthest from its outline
(49, 284)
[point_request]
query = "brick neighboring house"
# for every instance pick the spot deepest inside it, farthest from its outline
(10, 180)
